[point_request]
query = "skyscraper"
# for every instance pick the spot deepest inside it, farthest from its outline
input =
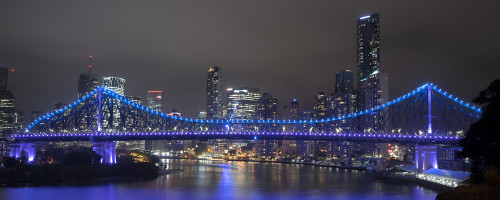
(368, 51)
(267, 107)
(7, 112)
(4, 74)
(320, 105)
(214, 94)
(294, 110)
(344, 82)
(117, 84)
(242, 103)
(376, 90)
(87, 81)
(155, 100)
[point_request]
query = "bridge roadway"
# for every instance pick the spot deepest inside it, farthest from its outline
(384, 138)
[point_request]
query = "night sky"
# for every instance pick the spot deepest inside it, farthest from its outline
(290, 49)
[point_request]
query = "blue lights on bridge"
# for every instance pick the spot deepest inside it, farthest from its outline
(125, 100)
(179, 126)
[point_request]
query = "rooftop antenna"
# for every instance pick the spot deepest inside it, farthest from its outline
(90, 64)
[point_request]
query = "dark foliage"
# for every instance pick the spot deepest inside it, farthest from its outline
(481, 143)
(82, 156)
(9, 162)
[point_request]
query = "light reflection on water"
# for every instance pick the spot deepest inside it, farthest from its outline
(203, 179)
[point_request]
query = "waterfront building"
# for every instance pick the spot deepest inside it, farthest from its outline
(116, 84)
(368, 51)
(214, 94)
(267, 109)
(446, 157)
(375, 88)
(242, 103)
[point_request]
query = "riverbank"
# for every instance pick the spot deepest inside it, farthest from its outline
(62, 173)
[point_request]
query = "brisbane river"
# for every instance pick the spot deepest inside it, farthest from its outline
(203, 179)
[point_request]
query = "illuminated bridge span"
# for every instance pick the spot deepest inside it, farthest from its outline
(425, 115)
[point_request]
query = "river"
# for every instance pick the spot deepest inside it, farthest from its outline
(203, 179)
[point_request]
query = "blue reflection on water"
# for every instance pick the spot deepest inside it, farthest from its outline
(234, 180)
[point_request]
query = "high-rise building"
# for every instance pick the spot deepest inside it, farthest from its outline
(7, 112)
(375, 88)
(368, 51)
(340, 104)
(201, 115)
(4, 75)
(344, 82)
(267, 107)
(87, 81)
(320, 105)
(117, 84)
(294, 110)
(155, 100)
(214, 94)
(242, 103)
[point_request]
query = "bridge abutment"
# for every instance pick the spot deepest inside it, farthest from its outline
(23, 149)
(107, 150)
(425, 157)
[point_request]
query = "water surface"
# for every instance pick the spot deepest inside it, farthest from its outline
(202, 179)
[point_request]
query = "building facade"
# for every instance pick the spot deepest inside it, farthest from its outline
(344, 82)
(319, 105)
(368, 51)
(242, 103)
(375, 88)
(117, 84)
(214, 93)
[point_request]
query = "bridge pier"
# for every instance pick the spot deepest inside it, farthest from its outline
(425, 157)
(23, 149)
(107, 150)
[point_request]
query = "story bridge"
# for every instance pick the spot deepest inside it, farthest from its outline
(426, 116)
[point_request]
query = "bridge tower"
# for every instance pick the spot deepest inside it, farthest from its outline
(107, 150)
(23, 149)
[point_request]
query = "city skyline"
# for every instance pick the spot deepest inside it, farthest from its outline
(189, 97)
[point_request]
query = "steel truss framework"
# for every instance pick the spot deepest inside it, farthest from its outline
(426, 112)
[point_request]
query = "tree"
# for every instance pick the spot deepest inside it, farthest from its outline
(481, 143)
(9, 162)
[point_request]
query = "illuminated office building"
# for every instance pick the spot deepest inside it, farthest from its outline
(368, 52)
(117, 84)
(242, 103)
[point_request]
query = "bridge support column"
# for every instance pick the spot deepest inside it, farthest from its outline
(23, 149)
(107, 150)
(425, 157)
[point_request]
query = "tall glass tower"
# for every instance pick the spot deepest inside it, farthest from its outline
(368, 51)
(214, 95)
(344, 82)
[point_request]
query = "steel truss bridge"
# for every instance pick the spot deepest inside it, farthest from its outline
(425, 115)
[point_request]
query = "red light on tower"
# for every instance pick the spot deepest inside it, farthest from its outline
(12, 70)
